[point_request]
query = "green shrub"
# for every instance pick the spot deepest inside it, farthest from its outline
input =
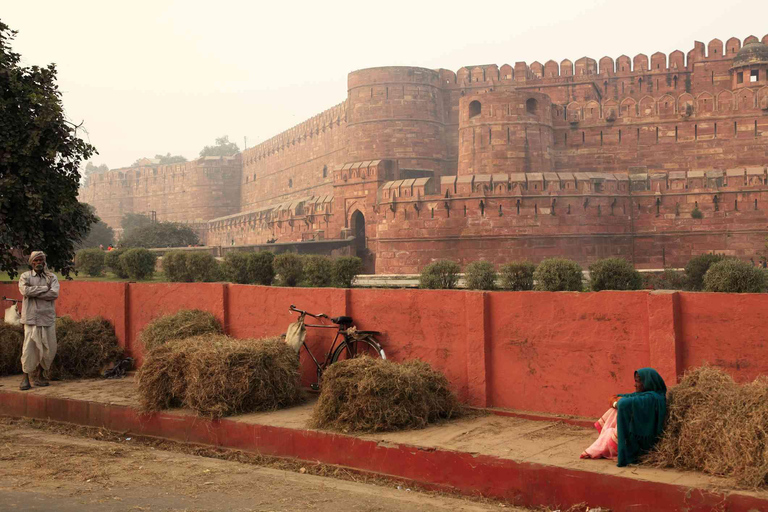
(698, 266)
(734, 276)
(480, 275)
(138, 263)
(517, 276)
(90, 261)
(112, 261)
(614, 274)
(202, 267)
(235, 268)
(440, 275)
(175, 267)
(558, 275)
(696, 213)
(345, 269)
(261, 268)
(667, 280)
(318, 270)
(289, 268)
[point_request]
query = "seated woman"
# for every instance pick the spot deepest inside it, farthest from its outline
(634, 422)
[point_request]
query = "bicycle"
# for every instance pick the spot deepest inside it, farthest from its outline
(354, 343)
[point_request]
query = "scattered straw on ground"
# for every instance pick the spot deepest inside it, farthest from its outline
(216, 376)
(182, 324)
(85, 348)
(374, 395)
(11, 341)
(717, 426)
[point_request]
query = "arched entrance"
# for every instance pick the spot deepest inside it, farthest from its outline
(357, 223)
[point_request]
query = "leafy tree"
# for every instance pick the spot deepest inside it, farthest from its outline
(131, 221)
(160, 234)
(222, 148)
(99, 234)
(91, 169)
(40, 157)
(170, 159)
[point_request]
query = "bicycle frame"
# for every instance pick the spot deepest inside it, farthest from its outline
(340, 332)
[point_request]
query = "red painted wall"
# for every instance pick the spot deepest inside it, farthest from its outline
(564, 353)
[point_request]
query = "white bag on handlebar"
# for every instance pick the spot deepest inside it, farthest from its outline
(12, 316)
(294, 336)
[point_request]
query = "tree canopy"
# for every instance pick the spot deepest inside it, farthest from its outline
(40, 158)
(170, 159)
(159, 234)
(131, 221)
(99, 234)
(222, 148)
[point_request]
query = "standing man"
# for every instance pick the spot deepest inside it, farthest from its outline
(40, 289)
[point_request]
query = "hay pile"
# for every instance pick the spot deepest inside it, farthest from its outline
(11, 341)
(717, 426)
(216, 376)
(182, 324)
(374, 395)
(85, 348)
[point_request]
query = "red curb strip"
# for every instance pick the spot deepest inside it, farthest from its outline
(521, 483)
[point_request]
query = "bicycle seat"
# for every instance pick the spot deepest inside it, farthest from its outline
(342, 320)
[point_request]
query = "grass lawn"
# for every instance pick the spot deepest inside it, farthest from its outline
(158, 277)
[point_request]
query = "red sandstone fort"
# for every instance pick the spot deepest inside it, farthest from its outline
(654, 160)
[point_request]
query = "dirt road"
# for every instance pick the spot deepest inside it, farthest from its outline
(45, 468)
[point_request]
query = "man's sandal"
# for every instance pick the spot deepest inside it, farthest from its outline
(25, 386)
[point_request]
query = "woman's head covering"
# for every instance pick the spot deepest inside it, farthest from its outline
(651, 380)
(641, 417)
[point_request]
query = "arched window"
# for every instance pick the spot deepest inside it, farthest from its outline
(325, 171)
(290, 183)
(474, 109)
(531, 106)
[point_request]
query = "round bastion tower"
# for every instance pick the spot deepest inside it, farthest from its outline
(505, 132)
(397, 113)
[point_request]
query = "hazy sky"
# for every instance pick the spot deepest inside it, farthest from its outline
(163, 76)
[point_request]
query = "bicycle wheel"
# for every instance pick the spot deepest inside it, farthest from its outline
(358, 347)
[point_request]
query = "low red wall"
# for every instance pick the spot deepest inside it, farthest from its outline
(564, 353)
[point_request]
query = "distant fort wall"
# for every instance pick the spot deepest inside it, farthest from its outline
(523, 140)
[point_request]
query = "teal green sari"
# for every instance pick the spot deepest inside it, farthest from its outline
(641, 417)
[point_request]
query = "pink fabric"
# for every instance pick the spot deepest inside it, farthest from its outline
(606, 446)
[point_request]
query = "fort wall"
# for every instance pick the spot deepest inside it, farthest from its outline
(407, 160)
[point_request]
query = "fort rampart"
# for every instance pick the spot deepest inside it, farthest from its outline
(581, 159)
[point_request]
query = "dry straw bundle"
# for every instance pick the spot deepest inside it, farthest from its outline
(182, 324)
(374, 395)
(11, 341)
(85, 348)
(216, 376)
(717, 426)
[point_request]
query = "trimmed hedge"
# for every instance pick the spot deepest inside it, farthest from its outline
(614, 274)
(261, 268)
(139, 263)
(667, 280)
(202, 267)
(517, 276)
(175, 267)
(317, 270)
(345, 269)
(440, 275)
(480, 275)
(112, 261)
(558, 275)
(735, 276)
(235, 267)
(698, 266)
(90, 261)
(289, 268)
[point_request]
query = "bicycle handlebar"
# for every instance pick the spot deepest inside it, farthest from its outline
(297, 310)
